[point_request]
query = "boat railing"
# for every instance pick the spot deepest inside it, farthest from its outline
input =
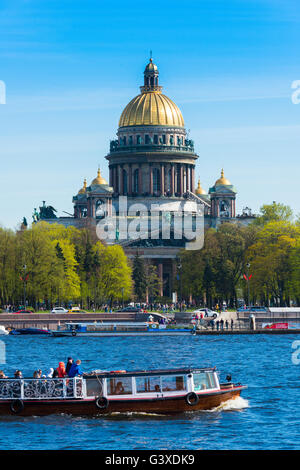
(42, 389)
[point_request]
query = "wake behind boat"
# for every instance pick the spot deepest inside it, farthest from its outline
(103, 392)
(121, 329)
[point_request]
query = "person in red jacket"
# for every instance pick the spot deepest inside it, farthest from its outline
(61, 370)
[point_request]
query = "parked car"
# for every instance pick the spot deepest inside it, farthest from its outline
(207, 312)
(132, 309)
(74, 310)
(59, 310)
(23, 311)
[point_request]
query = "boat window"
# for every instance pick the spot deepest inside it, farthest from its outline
(203, 380)
(148, 384)
(131, 328)
(173, 383)
(119, 386)
(212, 379)
(100, 327)
(94, 387)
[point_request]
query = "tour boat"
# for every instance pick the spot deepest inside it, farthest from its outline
(120, 329)
(105, 392)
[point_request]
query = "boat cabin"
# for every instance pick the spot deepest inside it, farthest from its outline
(107, 326)
(150, 384)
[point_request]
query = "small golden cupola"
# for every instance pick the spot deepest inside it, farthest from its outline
(222, 181)
(99, 179)
(199, 189)
(83, 189)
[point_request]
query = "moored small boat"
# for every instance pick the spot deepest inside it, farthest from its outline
(29, 331)
(120, 329)
(3, 330)
(103, 392)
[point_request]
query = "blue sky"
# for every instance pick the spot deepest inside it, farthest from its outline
(71, 66)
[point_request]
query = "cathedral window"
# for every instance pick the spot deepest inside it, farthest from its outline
(125, 186)
(169, 179)
(136, 181)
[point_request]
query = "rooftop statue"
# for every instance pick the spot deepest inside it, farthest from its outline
(35, 216)
(47, 212)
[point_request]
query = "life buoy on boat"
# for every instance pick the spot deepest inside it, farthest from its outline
(17, 406)
(102, 403)
(192, 398)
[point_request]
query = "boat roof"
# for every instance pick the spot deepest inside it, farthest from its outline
(137, 373)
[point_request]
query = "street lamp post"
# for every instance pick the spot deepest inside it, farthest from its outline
(248, 285)
(179, 266)
(24, 286)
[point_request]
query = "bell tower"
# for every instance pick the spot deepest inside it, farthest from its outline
(222, 196)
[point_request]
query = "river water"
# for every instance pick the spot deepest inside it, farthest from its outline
(266, 417)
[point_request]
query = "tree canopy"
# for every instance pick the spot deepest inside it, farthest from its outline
(61, 264)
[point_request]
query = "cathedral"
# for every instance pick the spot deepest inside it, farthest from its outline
(152, 162)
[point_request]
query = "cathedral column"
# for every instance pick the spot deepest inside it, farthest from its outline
(121, 179)
(192, 178)
(187, 177)
(181, 181)
(116, 185)
(151, 180)
(162, 179)
(140, 180)
(130, 179)
(172, 179)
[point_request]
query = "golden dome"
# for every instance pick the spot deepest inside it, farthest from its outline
(199, 189)
(151, 109)
(83, 189)
(222, 181)
(99, 179)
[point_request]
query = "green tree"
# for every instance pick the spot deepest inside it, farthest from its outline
(272, 213)
(271, 262)
(139, 278)
(113, 279)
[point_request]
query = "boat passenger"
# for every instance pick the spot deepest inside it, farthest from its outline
(55, 374)
(18, 374)
(50, 373)
(61, 370)
(36, 375)
(119, 388)
(69, 364)
(75, 369)
(2, 375)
